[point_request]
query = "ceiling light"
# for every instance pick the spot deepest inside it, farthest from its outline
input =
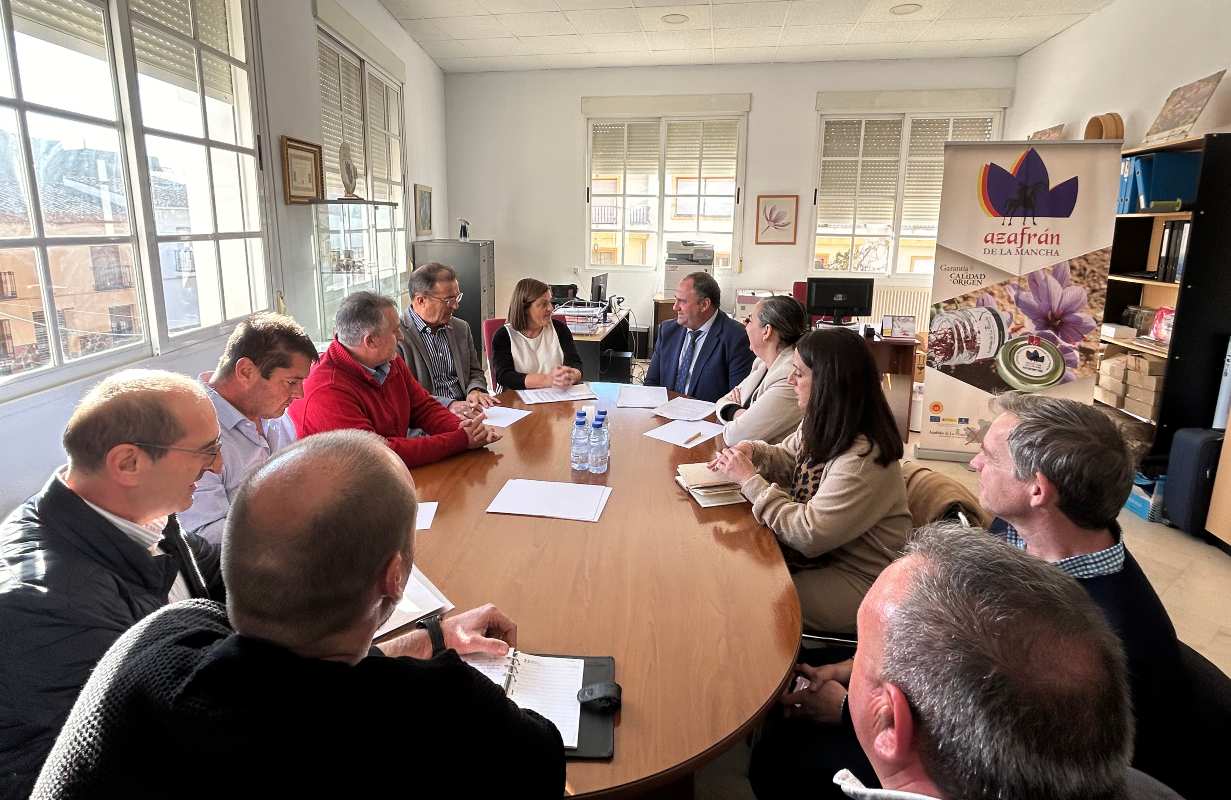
(903, 9)
(675, 19)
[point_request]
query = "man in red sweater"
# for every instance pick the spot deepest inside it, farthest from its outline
(362, 383)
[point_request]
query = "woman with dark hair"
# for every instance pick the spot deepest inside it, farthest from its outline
(833, 492)
(532, 350)
(762, 407)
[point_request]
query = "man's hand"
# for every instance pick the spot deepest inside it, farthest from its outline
(478, 434)
(463, 409)
(482, 399)
(480, 630)
(821, 700)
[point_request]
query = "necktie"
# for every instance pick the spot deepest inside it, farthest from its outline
(685, 371)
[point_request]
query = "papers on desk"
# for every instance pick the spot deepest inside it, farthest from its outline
(501, 417)
(708, 488)
(545, 684)
(685, 408)
(579, 392)
(641, 396)
(425, 515)
(685, 433)
(579, 501)
(420, 599)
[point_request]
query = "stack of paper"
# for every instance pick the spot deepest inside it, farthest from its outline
(579, 392)
(685, 434)
(685, 408)
(420, 599)
(707, 487)
(579, 501)
(632, 396)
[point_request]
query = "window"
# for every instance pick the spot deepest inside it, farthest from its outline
(8, 285)
(878, 192)
(662, 179)
(7, 351)
(69, 234)
(123, 320)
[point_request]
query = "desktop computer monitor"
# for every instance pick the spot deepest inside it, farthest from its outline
(840, 298)
(562, 293)
(598, 288)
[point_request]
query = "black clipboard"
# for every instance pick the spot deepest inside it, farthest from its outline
(595, 731)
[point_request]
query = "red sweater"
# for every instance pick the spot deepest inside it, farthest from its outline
(341, 394)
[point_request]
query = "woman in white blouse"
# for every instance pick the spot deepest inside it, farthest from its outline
(532, 350)
(763, 406)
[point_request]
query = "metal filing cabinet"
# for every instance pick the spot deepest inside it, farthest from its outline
(475, 263)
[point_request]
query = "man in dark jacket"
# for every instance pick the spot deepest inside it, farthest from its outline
(97, 550)
(289, 698)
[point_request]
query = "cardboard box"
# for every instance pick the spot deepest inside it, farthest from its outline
(1112, 330)
(1144, 395)
(1143, 410)
(1152, 382)
(1108, 397)
(1116, 387)
(1148, 365)
(1113, 369)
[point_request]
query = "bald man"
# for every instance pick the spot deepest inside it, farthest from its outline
(97, 549)
(289, 696)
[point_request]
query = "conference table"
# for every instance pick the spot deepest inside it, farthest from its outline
(696, 605)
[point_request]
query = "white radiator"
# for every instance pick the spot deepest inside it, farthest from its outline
(900, 301)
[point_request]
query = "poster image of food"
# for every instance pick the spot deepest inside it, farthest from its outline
(1020, 281)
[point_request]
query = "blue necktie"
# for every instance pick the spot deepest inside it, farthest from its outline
(683, 374)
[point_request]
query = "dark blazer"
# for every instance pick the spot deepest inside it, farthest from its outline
(506, 376)
(725, 360)
(70, 584)
(466, 361)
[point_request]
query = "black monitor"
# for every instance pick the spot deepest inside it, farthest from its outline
(840, 298)
(562, 293)
(598, 288)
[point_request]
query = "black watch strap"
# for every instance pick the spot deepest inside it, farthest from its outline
(431, 624)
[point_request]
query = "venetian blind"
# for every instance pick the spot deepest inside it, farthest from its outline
(341, 112)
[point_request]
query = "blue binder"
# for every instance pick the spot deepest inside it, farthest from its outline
(1126, 199)
(1166, 176)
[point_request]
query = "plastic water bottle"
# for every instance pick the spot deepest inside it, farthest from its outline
(601, 416)
(579, 451)
(599, 447)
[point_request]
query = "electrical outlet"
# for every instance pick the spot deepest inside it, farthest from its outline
(576, 270)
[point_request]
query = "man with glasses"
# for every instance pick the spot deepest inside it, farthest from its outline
(98, 549)
(261, 370)
(439, 347)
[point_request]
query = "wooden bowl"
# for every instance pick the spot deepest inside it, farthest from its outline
(1105, 126)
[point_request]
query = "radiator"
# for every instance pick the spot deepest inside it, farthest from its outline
(900, 301)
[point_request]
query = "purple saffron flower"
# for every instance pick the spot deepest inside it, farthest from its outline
(1054, 304)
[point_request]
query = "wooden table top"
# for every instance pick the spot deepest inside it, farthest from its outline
(695, 604)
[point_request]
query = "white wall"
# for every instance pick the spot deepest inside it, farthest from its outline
(517, 155)
(1125, 58)
(30, 443)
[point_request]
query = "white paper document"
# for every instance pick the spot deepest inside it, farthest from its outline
(425, 515)
(685, 408)
(641, 396)
(420, 599)
(546, 684)
(685, 433)
(501, 417)
(577, 501)
(579, 392)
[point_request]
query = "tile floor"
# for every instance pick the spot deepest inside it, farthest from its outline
(1192, 578)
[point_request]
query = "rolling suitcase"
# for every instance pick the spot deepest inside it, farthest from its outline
(1190, 477)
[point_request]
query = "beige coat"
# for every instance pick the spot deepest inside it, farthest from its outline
(856, 523)
(772, 410)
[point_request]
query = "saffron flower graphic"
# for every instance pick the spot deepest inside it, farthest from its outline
(1053, 303)
(1025, 190)
(775, 218)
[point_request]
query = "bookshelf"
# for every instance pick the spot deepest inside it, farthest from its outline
(1201, 298)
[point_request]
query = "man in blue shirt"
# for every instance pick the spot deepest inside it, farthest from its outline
(703, 353)
(261, 370)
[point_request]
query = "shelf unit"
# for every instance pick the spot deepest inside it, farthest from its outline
(1202, 299)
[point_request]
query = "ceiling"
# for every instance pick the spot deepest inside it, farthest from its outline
(488, 35)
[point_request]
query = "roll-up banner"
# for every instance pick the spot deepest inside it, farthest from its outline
(1022, 252)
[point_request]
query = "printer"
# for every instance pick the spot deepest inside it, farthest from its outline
(685, 257)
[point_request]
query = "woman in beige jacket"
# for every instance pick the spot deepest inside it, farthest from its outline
(833, 492)
(762, 407)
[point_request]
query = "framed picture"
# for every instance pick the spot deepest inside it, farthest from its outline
(303, 180)
(423, 210)
(1182, 108)
(898, 326)
(776, 218)
(1049, 134)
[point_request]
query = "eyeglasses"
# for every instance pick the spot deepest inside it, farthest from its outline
(210, 451)
(451, 300)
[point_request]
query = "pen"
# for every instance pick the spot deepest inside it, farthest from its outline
(692, 438)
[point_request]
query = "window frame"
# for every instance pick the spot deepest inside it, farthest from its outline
(157, 340)
(741, 118)
(892, 275)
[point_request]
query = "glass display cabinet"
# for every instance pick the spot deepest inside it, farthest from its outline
(359, 245)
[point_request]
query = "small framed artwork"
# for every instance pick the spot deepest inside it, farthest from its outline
(898, 326)
(303, 180)
(776, 218)
(423, 210)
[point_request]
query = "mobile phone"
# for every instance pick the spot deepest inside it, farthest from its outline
(800, 684)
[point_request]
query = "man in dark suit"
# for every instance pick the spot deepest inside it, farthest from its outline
(438, 347)
(703, 353)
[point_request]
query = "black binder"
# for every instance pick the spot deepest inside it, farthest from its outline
(595, 732)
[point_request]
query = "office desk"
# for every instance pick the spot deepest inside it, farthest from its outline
(696, 605)
(614, 335)
(895, 360)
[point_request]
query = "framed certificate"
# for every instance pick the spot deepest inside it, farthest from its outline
(303, 180)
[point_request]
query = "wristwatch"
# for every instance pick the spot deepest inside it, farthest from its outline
(431, 624)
